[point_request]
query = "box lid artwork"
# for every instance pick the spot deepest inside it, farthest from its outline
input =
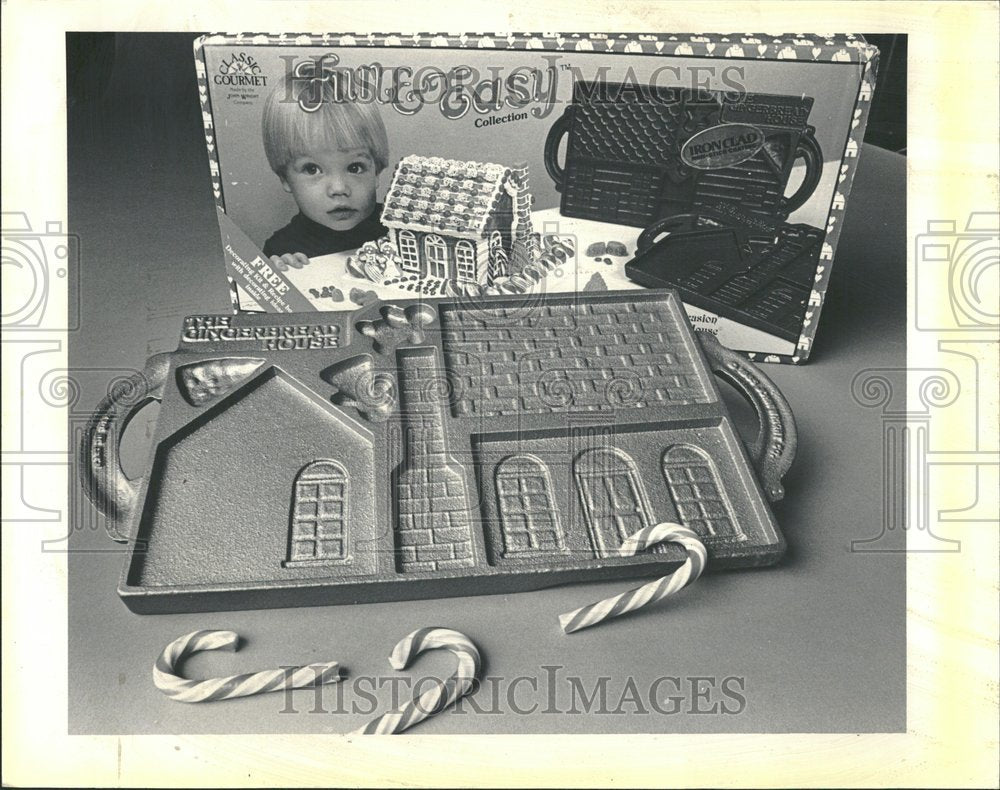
(511, 155)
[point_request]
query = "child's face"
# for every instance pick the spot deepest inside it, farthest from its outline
(333, 187)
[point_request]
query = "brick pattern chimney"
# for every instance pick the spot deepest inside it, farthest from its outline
(433, 532)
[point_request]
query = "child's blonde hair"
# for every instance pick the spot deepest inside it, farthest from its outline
(290, 131)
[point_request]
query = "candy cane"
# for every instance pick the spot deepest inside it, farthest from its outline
(648, 593)
(438, 698)
(174, 686)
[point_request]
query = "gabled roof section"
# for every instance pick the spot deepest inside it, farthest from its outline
(261, 378)
(436, 195)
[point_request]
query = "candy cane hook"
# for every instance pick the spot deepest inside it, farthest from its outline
(648, 593)
(176, 687)
(438, 698)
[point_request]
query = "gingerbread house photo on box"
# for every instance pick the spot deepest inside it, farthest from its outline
(464, 221)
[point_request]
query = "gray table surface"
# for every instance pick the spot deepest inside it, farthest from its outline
(816, 644)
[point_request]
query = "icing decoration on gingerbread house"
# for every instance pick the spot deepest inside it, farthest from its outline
(464, 221)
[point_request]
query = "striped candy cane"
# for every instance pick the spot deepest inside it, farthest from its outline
(174, 686)
(439, 697)
(648, 593)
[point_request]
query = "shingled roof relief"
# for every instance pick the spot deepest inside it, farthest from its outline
(629, 131)
(436, 195)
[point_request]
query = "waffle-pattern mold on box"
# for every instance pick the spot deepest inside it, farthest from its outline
(419, 450)
(637, 153)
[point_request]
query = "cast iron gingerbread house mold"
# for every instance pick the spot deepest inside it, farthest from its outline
(761, 280)
(419, 450)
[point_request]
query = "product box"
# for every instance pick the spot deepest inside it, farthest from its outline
(397, 166)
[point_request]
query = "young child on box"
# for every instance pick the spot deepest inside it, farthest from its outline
(329, 161)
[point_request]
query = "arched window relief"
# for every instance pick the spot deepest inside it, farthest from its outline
(465, 261)
(436, 254)
(699, 499)
(408, 251)
(529, 520)
(613, 498)
(317, 533)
